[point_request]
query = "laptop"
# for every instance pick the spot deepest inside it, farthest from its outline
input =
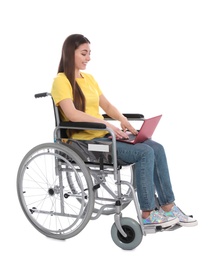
(146, 131)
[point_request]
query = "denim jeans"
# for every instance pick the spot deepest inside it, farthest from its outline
(151, 172)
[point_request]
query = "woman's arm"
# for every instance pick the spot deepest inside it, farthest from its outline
(76, 115)
(114, 113)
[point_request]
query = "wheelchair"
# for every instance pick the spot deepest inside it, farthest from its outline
(60, 189)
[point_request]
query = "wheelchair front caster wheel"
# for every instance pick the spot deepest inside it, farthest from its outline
(133, 231)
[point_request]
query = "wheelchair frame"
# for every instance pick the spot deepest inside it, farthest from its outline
(59, 192)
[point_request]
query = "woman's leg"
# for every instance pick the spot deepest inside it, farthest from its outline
(143, 157)
(161, 175)
(164, 189)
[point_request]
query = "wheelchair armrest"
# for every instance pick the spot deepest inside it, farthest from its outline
(130, 116)
(86, 125)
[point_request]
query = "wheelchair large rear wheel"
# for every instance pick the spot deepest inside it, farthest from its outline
(55, 190)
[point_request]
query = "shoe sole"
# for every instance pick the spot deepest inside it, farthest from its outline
(164, 224)
(188, 224)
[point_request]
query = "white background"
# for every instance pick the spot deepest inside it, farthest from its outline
(166, 50)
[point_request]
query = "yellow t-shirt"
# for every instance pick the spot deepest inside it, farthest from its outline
(62, 89)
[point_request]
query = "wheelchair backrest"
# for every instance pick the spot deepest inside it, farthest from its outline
(62, 132)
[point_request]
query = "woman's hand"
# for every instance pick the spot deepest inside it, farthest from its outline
(120, 134)
(126, 126)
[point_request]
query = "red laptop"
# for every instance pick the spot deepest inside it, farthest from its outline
(146, 131)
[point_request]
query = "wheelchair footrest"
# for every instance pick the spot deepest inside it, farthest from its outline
(155, 229)
(174, 227)
(150, 230)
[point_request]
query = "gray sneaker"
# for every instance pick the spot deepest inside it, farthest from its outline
(184, 220)
(157, 219)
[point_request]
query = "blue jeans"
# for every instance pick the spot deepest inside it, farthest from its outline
(151, 172)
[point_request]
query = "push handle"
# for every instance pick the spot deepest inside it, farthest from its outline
(40, 95)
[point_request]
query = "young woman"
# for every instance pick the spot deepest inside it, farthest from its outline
(79, 97)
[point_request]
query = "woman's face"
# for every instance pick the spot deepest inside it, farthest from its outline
(82, 56)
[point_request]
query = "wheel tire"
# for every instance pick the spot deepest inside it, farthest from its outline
(133, 231)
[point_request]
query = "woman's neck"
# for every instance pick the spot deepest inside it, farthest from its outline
(78, 74)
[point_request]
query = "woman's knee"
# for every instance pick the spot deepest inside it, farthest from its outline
(145, 151)
(157, 147)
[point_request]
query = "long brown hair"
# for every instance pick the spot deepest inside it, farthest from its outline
(67, 66)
